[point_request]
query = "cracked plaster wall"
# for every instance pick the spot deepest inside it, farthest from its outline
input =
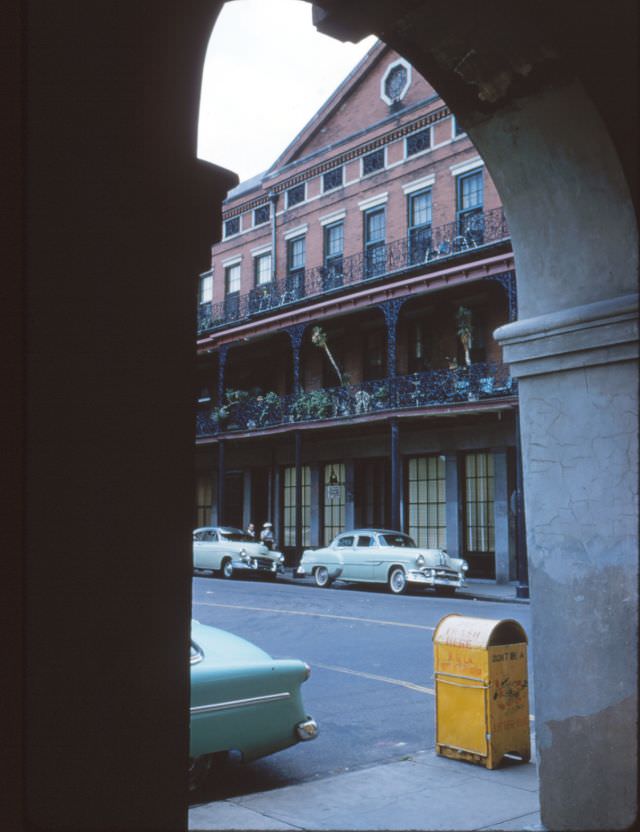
(581, 502)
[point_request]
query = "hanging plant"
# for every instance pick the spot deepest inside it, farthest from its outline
(465, 331)
(319, 339)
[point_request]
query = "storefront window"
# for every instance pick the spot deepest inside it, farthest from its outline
(334, 500)
(427, 501)
(479, 494)
(289, 506)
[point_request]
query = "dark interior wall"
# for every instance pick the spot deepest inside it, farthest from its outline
(119, 220)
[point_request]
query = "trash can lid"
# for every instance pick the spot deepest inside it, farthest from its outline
(468, 631)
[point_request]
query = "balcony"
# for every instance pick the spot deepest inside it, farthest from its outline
(433, 388)
(433, 246)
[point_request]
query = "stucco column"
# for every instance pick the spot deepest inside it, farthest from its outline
(452, 496)
(501, 515)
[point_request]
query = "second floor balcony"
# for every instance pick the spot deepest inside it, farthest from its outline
(244, 411)
(425, 248)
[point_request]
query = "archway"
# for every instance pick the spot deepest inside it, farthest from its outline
(104, 84)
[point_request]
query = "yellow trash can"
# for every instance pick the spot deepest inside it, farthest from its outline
(482, 696)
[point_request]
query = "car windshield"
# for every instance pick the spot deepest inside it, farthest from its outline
(392, 539)
(235, 535)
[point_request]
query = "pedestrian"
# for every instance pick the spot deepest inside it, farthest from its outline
(251, 530)
(266, 535)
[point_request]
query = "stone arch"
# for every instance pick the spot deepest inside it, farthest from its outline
(536, 79)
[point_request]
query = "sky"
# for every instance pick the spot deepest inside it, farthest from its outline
(266, 73)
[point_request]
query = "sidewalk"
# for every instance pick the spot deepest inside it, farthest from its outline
(424, 792)
(476, 588)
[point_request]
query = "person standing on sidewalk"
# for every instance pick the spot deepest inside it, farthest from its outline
(266, 535)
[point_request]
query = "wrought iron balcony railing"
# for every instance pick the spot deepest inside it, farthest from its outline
(425, 246)
(246, 412)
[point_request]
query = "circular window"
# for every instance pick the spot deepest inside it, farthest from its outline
(395, 82)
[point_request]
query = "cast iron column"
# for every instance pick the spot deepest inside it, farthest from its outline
(395, 474)
(391, 311)
(298, 462)
(296, 334)
(222, 361)
(220, 500)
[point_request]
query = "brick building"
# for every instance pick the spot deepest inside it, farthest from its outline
(347, 370)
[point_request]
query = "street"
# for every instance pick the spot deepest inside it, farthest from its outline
(371, 688)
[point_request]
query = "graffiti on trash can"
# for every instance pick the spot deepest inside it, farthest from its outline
(510, 694)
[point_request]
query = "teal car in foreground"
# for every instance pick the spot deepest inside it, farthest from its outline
(242, 700)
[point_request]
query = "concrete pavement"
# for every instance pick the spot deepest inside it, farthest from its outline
(422, 792)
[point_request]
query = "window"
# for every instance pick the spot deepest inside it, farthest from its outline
(295, 195)
(424, 336)
(334, 500)
(332, 179)
(262, 269)
(232, 279)
(346, 541)
(262, 214)
(205, 289)
(479, 495)
(365, 540)
(374, 245)
(232, 227)
(204, 501)
(374, 355)
(419, 210)
(289, 506)
(427, 501)
(418, 142)
(333, 249)
(371, 162)
(456, 129)
(232, 292)
(470, 219)
(295, 268)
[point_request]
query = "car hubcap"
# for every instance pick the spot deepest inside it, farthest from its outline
(397, 580)
(321, 576)
(227, 569)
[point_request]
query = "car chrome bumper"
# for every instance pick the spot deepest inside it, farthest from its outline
(251, 566)
(307, 730)
(414, 576)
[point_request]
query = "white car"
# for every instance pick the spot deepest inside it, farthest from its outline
(383, 557)
(225, 550)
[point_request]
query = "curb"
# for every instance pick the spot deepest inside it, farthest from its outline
(468, 593)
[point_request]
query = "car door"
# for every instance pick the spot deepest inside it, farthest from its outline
(207, 550)
(357, 558)
(344, 550)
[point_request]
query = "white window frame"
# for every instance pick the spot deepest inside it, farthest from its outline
(383, 80)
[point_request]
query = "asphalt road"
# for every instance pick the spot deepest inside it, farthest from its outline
(371, 688)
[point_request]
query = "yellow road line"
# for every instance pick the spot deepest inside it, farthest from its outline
(316, 615)
(387, 679)
(376, 678)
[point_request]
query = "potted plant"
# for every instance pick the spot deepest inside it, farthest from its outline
(464, 318)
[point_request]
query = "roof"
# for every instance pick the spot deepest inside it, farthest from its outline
(246, 186)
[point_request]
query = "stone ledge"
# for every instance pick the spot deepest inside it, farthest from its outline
(604, 332)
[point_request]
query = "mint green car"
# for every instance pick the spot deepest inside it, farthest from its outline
(242, 700)
(382, 556)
